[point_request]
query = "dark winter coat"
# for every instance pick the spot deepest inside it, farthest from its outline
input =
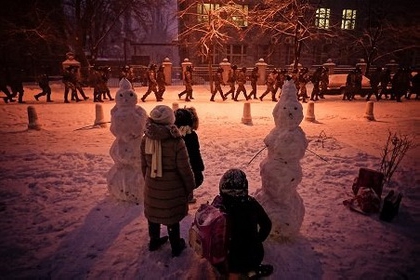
(196, 161)
(166, 197)
(249, 227)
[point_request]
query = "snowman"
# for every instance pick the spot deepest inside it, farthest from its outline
(128, 120)
(281, 171)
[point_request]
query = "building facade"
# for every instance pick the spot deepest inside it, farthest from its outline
(342, 30)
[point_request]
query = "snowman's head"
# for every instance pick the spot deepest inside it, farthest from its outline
(288, 112)
(125, 96)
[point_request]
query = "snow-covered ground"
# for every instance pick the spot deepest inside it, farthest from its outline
(58, 220)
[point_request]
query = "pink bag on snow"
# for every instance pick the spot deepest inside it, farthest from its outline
(208, 235)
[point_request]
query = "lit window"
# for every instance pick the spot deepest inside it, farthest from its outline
(203, 11)
(349, 19)
(240, 17)
(322, 18)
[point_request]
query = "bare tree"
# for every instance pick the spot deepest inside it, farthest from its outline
(386, 31)
(211, 28)
(280, 19)
(88, 22)
(393, 152)
(29, 30)
(154, 18)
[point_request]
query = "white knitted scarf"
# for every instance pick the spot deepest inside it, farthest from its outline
(154, 148)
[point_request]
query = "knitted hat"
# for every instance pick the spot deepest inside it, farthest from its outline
(234, 183)
(183, 117)
(162, 114)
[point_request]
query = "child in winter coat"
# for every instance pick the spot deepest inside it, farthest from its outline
(168, 178)
(187, 122)
(249, 226)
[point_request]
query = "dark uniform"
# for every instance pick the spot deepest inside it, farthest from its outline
(127, 73)
(415, 86)
(358, 81)
(218, 81)
(75, 78)
(105, 71)
(385, 80)
(152, 83)
(161, 83)
(254, 78)
(241, 80)
(69, 77)
(44, 84)
(295, 78)
(271, 80)
(232, 76)
(100, 76)
(325, 80)
(16, 84)
(303, 79)
(4, 74)
(280, 81)
(400, 84)
(316, 80)
(350, 89)
(188, 81)
(374, 80)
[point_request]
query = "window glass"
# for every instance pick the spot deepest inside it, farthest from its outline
(236, 54)
(322, 18)
(348, 20)
(203, 11)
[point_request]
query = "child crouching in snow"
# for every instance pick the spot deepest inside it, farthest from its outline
(187, 122)
(249, 226)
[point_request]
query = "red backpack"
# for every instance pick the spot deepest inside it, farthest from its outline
(209, 232)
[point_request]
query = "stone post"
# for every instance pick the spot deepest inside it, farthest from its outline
(71, 61)
(292, 65)
(184, 65)
(330, 65)
(167, 71)
(392, 65)
(363, 65)
(225, 65)
(262, 71)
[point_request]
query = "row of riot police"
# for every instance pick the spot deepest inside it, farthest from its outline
(385, 85)
(237, 79)
(99, 80)
(274, 82)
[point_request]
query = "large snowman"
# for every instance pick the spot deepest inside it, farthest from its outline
(128, 120)
(281, 171)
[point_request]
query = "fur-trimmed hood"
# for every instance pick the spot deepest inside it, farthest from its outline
(157, 131)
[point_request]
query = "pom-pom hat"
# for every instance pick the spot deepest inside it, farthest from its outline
(234, 183)
(162, 114)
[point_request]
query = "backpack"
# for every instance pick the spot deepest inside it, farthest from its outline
(209, 232)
